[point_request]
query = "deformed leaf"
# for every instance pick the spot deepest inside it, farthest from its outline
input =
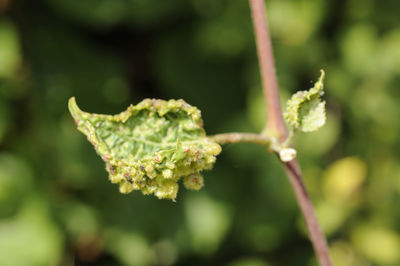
(151, 145)
(305, 110)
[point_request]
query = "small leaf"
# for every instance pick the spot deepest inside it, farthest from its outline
(305, 110)
(151, 145)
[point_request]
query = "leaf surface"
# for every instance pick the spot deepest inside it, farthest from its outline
(306, 110)
(151, 145)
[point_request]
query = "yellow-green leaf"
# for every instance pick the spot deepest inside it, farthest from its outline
(305, 110)
(151, 145)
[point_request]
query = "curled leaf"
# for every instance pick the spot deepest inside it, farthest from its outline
(151, 145)
(305, 110)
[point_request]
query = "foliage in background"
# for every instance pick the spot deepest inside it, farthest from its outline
(56, 205)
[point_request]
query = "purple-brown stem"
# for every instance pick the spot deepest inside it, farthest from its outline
(275, 125)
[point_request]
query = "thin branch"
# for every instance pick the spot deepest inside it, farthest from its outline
(275, 124)
(317, 238)
(241, 137)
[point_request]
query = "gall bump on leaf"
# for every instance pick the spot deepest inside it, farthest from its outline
(151, 145)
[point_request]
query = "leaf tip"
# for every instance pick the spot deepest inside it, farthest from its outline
(320, 83)
(321, 78)
(74, 109)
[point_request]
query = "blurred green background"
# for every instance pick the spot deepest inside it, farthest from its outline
(57, 206)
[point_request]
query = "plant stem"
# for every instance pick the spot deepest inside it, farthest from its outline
(318, 240)
(276, 125)
(241, 137)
